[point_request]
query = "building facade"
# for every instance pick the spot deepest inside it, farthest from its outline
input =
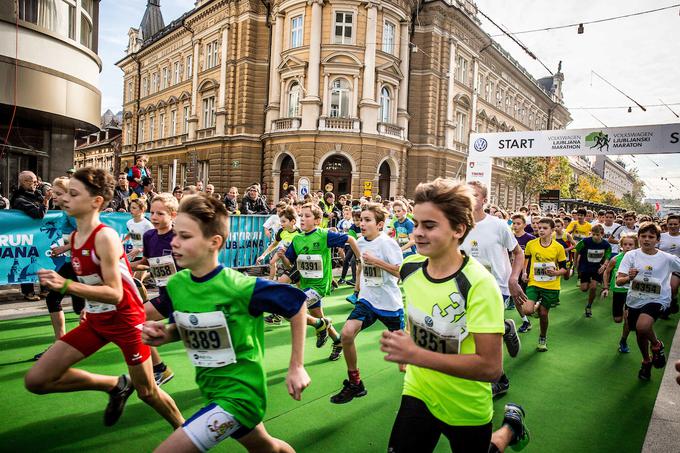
(99, 150)
(49, 72)
(614, 176)
(353, 96)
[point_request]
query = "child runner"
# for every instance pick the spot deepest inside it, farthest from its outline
(579, 228)
(649, 272)
(455, 344)
(137, 226)
(403, 228)
(218, 316)
(282, 238)
(379, 298)
(355, 232)
(518, 228)
(610, 230)
(547, 263)
(592, 257)
(113, 310)
(565, 240)
(670, 243)
(345, 226)
(311, 251)
(619, 293)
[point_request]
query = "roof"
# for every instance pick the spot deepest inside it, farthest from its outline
(152, 22)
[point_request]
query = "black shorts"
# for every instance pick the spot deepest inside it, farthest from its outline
(618, 301)
(368, 316)
(654, 310)
(293, 274)
(588, 276)
(416, 430)
(162, 303)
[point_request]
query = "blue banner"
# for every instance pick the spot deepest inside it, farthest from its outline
(26, 243)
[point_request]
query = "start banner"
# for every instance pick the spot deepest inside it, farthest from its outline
(26, 243)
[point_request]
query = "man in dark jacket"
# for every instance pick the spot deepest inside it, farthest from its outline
(252, 202)
(30, 201)
(121, 195)
(231, 200)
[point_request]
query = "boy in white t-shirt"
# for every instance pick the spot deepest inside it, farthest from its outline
(670, 243)
(137, 226)
(273, 224)
(649, 272)
(379, 297)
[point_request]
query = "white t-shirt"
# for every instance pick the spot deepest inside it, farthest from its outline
(378, 286)
(625, 231)
(137, 230)
(652, 284)
(670, 244)
(609, 231)
(273, 223)
(489, 242)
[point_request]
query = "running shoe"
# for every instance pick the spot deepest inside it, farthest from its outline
(334, 284)
(501, 387)
(322, 332)
(645, 372)
(542, 345)
(351, 282)
(142, 290)
(117, 398)
(342, 281)
(658, 356)
(349, 392)
(352, 298)
(514, 418)
(510, 305)
(525, 327)
(623, 347)
(511, 338)
(31, 297)
(273, 320)
(589, 312)
(164, 376)
(336, 352)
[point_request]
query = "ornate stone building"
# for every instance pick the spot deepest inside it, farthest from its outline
(99, 150)
(351, 95)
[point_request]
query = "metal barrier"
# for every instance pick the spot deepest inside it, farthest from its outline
(246, 241)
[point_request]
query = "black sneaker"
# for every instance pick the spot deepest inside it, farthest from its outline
(336, 352)
(341, 281)
(514, 418)
(351, 282)
(658, 356)
(525, 327)
(161, 377)
(334, 284)
(273, 320)
(511, 338)
(645, 372)
(349, 392)
(117, 398)
(322, 332)
(589, 312)
(500, 388)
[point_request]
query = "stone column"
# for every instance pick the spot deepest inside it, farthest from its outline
(311, 102)
(274, 106)
(326, 95)
(193, 118)
(221, 113)
(355, 95)
(475, 95)
(404, 54)
(450, 119)
(368, 107)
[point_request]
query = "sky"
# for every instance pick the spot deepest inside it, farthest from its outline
(639, 55)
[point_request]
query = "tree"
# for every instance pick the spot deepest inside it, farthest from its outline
(634, 200)
(527, 173)
(589, 189)
(558, 175)
(611, 199)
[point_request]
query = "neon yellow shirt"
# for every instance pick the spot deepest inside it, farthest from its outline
(541, 259)
(579, 231)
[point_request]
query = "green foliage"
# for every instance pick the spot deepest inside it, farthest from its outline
(532, 175)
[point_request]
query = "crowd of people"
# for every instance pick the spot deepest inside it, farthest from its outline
(475, 262)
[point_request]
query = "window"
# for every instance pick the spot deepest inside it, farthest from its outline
(462, 70)
(130, 87)
(340, 94)
(128, 133)
(294, 100)
(173, 123)
(145, 86)
(182, 174)
(185, 126)
(88, 6)
(178, 73)
(343, 27)
(461, 127)
(209, 112)
(141, 130)
(166, 78)
(296, 31)
(388, 37)
(190, 61)
(385, 105)
(211, 55)
(85, 31)
(203, 171)
(154, 82)
(159, 181)
(152, 128)
(161, 125)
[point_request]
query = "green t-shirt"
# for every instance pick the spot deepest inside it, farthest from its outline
(240, 386)
(465, 303)
(613, 285)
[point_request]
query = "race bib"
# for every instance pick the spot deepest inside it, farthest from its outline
(373, 275)
(90, 306)
(136, 239)
(206, 338)
(162, 268)
(402, 239)
(540, 274)
(645, 286)
(438, 333)
(577, 237)
(312, 296)
(310, 266)
(595, 256)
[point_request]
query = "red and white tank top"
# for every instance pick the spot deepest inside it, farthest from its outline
(87, 267)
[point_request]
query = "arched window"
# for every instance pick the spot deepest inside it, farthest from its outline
(340, 97)
(294, 100)
(385, 105)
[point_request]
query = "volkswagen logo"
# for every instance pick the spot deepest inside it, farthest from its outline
(480, 144)
(428, 321)
(193, 320)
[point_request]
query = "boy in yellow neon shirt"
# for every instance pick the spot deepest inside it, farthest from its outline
(580, 228)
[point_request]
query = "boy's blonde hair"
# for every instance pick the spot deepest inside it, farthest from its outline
(378, 211)
(316, 210)
(168, 200)
(61, 182)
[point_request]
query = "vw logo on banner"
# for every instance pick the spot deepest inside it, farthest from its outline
(480, 144)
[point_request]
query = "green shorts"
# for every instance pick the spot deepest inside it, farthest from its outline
(549, 298)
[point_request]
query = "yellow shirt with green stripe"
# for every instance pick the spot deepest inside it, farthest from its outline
(542, 258)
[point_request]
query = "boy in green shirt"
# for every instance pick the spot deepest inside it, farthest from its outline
(218, 317)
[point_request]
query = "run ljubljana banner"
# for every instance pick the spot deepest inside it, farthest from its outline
(26, 243)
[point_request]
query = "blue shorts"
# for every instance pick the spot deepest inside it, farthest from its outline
(368, 315)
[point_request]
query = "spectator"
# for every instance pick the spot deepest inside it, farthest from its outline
(31, 202)
(149, 192)
(331, 213)
(253, 203)
(178, 193)
(4, 202)
(137, 173)
(45, 189)
(291, 194)
(210, 190)
(190, 190)
(231, 200)
(121, 195)
(70, 172)
(199, 185)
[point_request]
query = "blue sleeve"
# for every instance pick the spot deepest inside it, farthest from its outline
(336, 239)
(277, 298)
(410, 226)
(291, 255)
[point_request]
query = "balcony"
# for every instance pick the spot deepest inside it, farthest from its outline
(340, 124)
(286, 124)
(205, 133)
(391, 130)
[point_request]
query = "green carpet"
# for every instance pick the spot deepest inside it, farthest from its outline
(580, 396)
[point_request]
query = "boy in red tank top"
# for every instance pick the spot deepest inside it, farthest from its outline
(113, 310)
